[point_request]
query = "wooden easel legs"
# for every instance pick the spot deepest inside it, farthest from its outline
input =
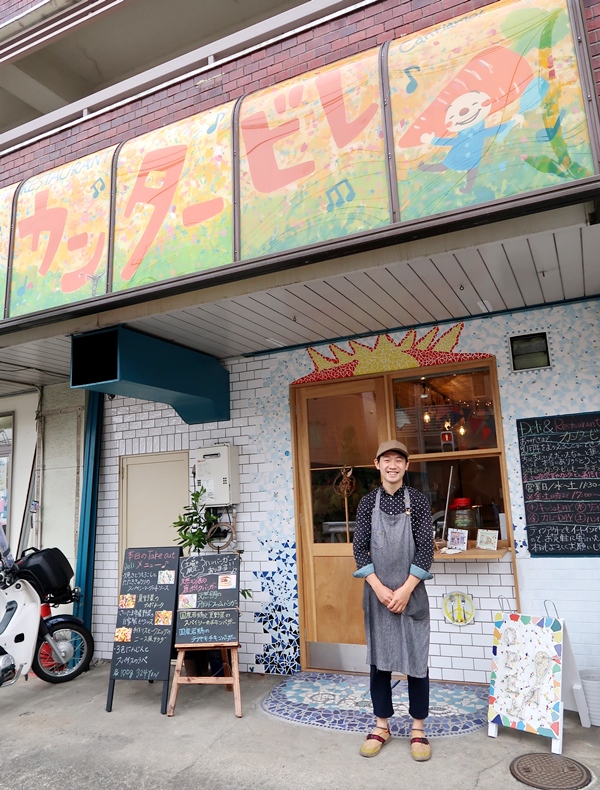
(231, 677)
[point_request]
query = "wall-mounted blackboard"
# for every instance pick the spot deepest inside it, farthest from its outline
(560, 467)
(146, 614)
(208, 599)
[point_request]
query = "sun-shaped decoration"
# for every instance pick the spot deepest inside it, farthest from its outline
(386, 354)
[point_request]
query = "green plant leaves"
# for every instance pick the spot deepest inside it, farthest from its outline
(193, 525)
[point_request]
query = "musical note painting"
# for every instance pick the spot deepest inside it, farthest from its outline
(494, 108)
(312, 158)
(174, 195)
(61, 235)
(483, 107)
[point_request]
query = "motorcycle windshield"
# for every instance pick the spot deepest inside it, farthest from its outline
(6, 558)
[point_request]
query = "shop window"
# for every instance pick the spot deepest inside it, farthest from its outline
(530, 351)
(470, 486)
(446, 416)
(6, 449)
(447, 419)
(445, 412)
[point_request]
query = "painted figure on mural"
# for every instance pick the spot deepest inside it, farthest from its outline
(496, 81)
(393, 549)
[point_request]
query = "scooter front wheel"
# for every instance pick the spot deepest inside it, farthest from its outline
(75, 645)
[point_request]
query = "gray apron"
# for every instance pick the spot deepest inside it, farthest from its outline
(395, 642)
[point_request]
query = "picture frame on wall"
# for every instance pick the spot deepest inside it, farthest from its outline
(487, 539)
(457, 539)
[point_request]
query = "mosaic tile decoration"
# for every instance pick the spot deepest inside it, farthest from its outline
(280, 617)
(525, 688)
(342, 702)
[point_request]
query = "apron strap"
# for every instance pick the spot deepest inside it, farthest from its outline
(406, 501)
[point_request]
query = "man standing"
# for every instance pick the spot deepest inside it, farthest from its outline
(393, 549)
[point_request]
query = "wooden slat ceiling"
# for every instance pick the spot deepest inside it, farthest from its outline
(40, 363)
(541, 268)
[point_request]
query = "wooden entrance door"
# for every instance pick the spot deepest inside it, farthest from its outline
(337, 425)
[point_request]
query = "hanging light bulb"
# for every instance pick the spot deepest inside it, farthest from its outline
(426, 417)
(447, 425)
(462, 430)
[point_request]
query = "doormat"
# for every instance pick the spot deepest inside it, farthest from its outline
(550, 772)
(342, 702)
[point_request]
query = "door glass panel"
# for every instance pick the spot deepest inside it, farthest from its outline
(342, 430)
(333, 521)
(342, 434)
(476, 480)
(443, 413)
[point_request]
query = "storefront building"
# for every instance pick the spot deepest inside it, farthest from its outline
(382, 225)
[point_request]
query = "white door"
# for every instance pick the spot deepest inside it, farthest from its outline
(154, 489)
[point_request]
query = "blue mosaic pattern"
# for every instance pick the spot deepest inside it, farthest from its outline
(279, 617)
(276, 530)
(342, 702)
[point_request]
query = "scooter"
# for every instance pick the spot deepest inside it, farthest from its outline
(58, 648)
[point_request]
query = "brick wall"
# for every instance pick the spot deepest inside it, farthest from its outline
(12, 8)
(296, 55)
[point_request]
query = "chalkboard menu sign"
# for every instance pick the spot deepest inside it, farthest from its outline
(146, 615)
(208, 600)
(560, 467)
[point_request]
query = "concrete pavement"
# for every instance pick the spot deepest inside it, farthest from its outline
(61, 738)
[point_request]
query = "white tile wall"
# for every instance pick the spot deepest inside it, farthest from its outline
(260, 426)
(132, 427)
(572, 585)
(464, 653)
(456, 653)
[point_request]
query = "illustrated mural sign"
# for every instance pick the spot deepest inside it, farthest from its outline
(174, 201)
(487, 106)
(483, 107)
(313, 164)
(6, 201)
(526, 679)
(61, 239)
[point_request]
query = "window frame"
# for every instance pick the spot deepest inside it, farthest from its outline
(9, 476)
(489, 364)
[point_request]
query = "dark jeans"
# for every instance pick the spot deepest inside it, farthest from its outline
(381, 694)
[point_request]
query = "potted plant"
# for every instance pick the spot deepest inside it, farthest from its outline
(192, 527)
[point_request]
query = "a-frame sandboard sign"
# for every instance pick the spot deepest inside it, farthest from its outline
(143, 640)
(534, 677)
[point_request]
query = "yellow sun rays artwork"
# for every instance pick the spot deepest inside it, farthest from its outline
(411, 351)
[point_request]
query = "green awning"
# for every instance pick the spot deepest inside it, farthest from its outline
(121, 361)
